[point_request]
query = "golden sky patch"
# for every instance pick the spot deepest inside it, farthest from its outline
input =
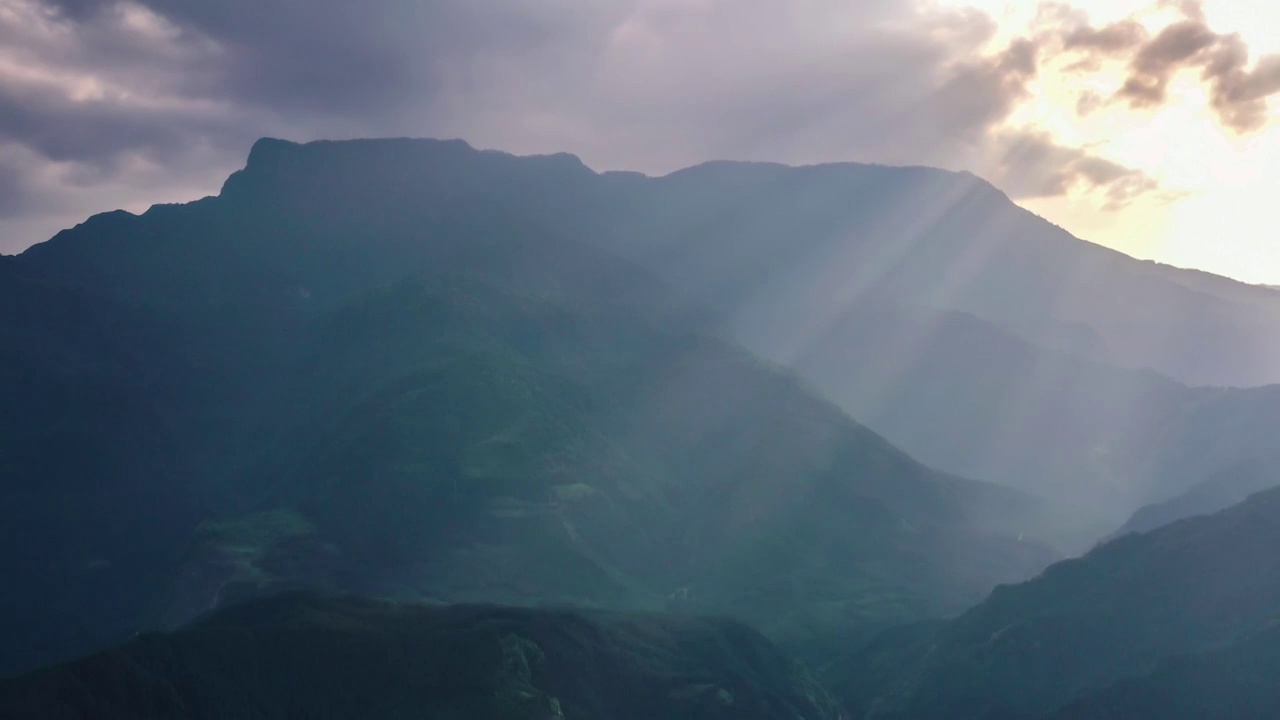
(1218, 188)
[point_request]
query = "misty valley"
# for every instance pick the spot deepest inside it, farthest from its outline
(406, 429)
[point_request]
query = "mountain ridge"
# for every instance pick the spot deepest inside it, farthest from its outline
(351, 658)
(779, 296)
(1083, 628)
(424, 394)
(272, 144)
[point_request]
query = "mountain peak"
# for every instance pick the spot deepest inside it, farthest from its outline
(268, 150)
(269, 147)
(272, 160)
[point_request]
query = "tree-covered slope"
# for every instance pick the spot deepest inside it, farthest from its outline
(459, 444)
(1124, 610)
(301, 656)
(93, 497)
(1237, 682)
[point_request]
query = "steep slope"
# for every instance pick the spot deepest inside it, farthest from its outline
(308, 657)
(962, 394)
(1222, 430)
(968, 331)
(1218, 493)
(803, 243)
(1121, 611)
(457, 444)
(396, 383)
(92, 492)
(1234, 683)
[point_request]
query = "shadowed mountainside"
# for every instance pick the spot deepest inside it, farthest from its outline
(1129, 609)
(306, 657)
(1233, 683)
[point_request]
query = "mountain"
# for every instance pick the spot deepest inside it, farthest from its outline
(301, 656)
(364, 368)
(92, 496)
(973, 334)
(1233, 683)
(418, 370)
(1218, 493)
(969, 332)
(806, 243)
(1108, 631)
(965, 395)
(1221, 432)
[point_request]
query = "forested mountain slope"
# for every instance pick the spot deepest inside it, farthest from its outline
(300, 656)
(393, 385)
(1130, 609)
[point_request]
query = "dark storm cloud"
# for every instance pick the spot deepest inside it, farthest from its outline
(347, 58)
(113, 95)
(94, 133)
(16, 194)
(91, 93)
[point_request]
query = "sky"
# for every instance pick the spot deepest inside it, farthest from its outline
(1145, 125)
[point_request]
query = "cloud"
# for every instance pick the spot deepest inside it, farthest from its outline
(1238, 93)
(1033, 165)
(19, 191)
(125, 102)
(1157, 60)
(1088, 102)
(1109, 40)
(1190, 9)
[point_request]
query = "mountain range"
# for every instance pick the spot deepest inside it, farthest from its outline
(422, 395)
(405, 386)
(970, 333)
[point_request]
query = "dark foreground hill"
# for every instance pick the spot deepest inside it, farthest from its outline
(305, 657)
(1151, 625)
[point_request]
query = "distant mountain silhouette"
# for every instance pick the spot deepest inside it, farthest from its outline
(1218, 493)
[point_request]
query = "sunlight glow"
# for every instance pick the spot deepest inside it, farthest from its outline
(1213, 210)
